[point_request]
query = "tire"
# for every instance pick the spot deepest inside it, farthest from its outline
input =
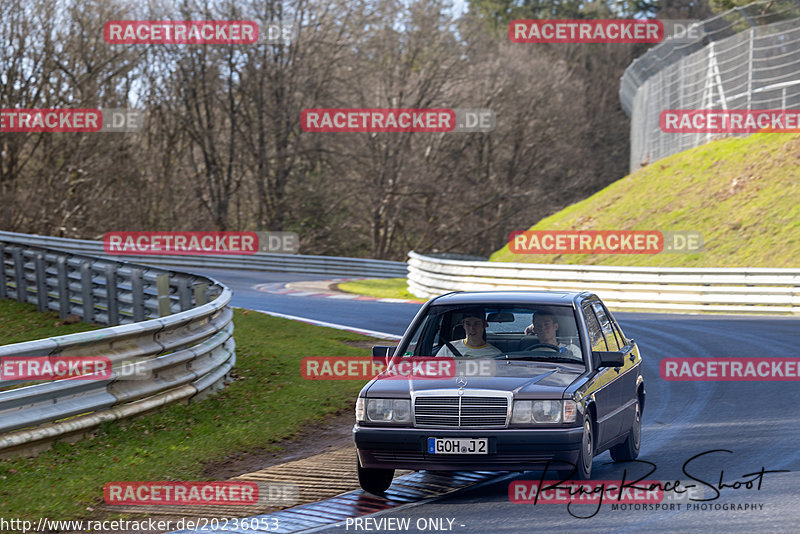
(583, 469)
(629, 449)
(586, 456)
(374, 481)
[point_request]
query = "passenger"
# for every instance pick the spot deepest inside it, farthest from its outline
(545, 327)
(474, 345)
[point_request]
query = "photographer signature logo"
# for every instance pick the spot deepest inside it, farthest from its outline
(643, 489)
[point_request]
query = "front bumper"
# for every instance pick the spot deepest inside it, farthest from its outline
(509, 449)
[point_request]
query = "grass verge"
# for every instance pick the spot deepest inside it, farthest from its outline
(21, 322)
(385, 288)
(268, 402)
(743, 194)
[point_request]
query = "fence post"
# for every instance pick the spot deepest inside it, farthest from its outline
(41, 283)
(750, 69)
(162, 284)
(137, 287)
(87, 293)
(19, 275)
(63, 288)
(111, 294)
(3, 291)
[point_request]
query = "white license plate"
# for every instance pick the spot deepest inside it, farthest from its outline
(458, 446)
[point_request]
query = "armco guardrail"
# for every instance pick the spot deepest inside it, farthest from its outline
(645, 288)
(155, 360)
(295, 263)
(96, 290)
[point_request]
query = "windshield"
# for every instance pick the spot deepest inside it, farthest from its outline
(498, 331)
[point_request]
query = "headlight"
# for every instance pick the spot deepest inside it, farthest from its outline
(402, 411)
(543, 411)
(521, 412)
(548, 411)
(387, 410)
(379, 410)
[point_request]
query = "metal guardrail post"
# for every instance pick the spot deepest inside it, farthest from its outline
(3, 292)
(41, 283)
(200, 294)
(111, 294)
(87, 294)
(137, 288)
(162, 287)
(63, 288)
(19, 275)
(184, 294)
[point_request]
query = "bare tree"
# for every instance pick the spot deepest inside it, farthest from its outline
(223, 146)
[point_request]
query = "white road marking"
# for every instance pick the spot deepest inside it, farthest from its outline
(363, 331)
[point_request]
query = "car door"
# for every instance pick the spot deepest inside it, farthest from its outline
(617, 383)
(630, 373)
(604, 388)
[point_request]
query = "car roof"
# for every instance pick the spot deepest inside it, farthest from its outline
(514, 297)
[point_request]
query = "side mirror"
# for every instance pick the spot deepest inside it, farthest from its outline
(608, 359)
(380, 353)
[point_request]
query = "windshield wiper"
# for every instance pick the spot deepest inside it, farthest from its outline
(554, 359)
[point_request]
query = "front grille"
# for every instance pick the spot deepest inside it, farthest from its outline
(461, 412)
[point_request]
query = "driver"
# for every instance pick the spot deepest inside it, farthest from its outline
(474, 345)
(545, 326)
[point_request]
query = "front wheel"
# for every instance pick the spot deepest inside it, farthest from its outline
(583, 465)
(629, 449)
(374, 481)
(584, 471)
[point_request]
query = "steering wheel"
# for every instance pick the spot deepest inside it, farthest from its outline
(545, 345)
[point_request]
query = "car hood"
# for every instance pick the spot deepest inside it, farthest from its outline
(524, 379)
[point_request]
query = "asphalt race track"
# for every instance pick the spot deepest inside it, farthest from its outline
(756, 421)
(379, 316)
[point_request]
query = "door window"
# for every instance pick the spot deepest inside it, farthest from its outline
(595, 332)
(605, 325)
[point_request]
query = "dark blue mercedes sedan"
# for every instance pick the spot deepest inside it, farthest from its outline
(540, 380)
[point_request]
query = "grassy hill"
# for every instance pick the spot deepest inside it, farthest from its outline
(742, 194)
